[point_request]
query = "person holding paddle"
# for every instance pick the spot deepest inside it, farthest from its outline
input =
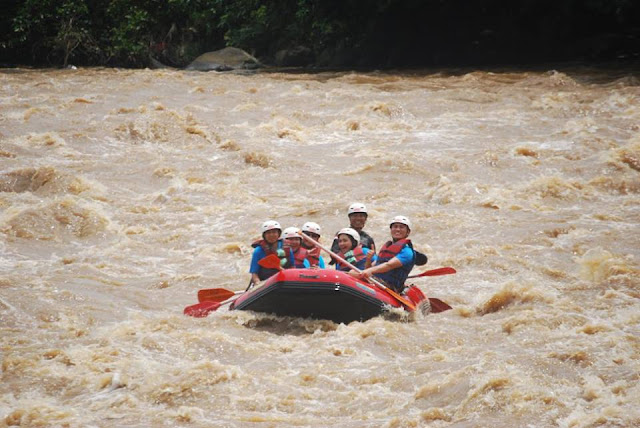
(358, 217)
(352, 251)
(396, 258)
(313, 230)
(269, 244)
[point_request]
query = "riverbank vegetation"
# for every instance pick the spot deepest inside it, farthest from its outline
(380, 33)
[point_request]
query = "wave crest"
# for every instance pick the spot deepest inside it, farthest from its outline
(56, 221)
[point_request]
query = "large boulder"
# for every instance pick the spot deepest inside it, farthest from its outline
(224, 60)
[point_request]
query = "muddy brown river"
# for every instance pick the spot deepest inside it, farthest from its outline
(124, 192)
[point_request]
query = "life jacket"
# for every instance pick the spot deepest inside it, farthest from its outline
(360, 259)
(298, 257)
(313, 256)
(264, 273)
(395, 277)
(366, 240)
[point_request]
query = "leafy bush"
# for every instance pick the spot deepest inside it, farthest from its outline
(54, 29)
(374, 32)
(129, 35)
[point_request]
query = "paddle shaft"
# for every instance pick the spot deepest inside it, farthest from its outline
(209, 301)
(398, 297)
(435, 272)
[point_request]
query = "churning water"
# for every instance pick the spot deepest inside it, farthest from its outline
(124, 192)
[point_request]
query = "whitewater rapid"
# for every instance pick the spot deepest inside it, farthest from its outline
(124, 192)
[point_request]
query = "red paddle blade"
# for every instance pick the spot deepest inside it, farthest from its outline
(438, 305)
(435, 272)
(214, 295)
(201, 310)
(270, 262)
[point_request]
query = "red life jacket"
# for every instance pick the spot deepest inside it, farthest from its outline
(313, 256)
(390, 249)
(359, 255)
(395, 277)
(265, 247)
(298, 257)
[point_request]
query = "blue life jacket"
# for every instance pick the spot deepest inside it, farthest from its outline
(264, 273)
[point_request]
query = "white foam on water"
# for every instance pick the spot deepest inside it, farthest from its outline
(524, 182)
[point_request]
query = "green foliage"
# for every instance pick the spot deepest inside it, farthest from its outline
(170, 29)
(243, 22)
(72, 28)
(386, 32)
(130, 32)
(53, 28)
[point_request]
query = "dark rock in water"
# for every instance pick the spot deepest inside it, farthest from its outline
(297, 56)
(224, 60)
(154, 64)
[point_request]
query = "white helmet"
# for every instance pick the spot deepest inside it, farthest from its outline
(311, 227)
(269, 225)
(291, 232)
(351, 232)
(402, 220)
(357, 207)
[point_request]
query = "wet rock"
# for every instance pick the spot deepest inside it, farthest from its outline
(224, 60)
(154, 64)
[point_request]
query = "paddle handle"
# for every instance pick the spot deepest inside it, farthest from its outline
(402, 300)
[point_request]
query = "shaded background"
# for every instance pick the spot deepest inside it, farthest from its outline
(356, 33)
